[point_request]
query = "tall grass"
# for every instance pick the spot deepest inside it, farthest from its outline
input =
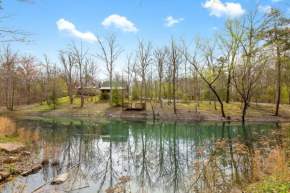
(7, 127)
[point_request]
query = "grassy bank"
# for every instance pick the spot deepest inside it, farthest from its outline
(276, 173)
(203, 111)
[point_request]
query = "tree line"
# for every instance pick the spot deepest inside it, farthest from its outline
(247, 61)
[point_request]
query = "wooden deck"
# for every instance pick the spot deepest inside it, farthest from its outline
(130, 107)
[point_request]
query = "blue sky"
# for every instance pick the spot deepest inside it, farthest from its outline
(54, 23)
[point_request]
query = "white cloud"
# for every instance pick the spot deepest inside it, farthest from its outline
(228, 9)
(70, 28)
(265, 9)
(214, 28)
(120, 22)
(171, 21)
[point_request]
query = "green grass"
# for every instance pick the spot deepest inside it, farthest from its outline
(272, 183)
(8, 139)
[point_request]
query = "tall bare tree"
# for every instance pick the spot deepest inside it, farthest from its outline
(175, 60)
(144, 59)
(28, 70)
(247, 74)
(160, 56)
(79, 55)
(109, 55)
(9, 61)
(68, 71)
(205, 63)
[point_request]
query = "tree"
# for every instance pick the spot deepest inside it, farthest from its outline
(28, 71)
(79, 55)
(206, 64)
(276, 37)
(230, 47)
(9, 61)
(246, 75)
(68, 71)
(109, 56)
(160, 56)
(128, 71)
(144, 59)
(175, 60)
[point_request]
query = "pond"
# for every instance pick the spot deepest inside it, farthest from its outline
(157, 157)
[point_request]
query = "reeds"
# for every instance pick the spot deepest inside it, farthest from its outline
(46, 155)
(7, 127)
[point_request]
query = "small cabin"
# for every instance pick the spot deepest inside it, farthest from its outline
(87, 91)
(105, 88)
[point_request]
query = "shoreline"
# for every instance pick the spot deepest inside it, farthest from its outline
(139, 116)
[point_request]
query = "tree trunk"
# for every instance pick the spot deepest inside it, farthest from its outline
(160, 98)
(244, 111)
(228, 87)
(278, 82)
(111, 90)
(174, 93)
(219, 99)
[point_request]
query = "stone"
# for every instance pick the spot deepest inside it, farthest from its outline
(60, 179)
(4, 175)
(26, 153)
(12, 147)
(11, 159)
(35, 169)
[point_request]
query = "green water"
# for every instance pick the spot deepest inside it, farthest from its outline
(160, 156)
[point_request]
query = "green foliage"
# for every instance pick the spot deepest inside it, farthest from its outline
(8, 139)
(135, 93)
(117, 96)
(104, 96)
(185, 98)
(11, 168)
(271, 185)
(53, 101)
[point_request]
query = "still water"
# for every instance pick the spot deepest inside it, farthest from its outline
(159, 157)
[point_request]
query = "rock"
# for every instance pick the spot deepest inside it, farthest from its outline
(26, 153)
(60, 179)
(11, 159)
(1, 179)
(36, 168)
(4, 175)
(12, 147)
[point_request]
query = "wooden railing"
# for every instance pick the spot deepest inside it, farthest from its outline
(138, 106)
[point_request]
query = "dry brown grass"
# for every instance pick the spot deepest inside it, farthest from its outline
(56, 153)
(7, 127)
(46, 155)
(122, 186)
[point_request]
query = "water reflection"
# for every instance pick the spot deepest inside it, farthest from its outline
(160, 157)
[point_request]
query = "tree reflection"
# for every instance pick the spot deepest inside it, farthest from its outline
(173, 157)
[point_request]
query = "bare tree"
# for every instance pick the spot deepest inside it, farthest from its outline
(79, 56)
(28, 71)
(206, 64)
(230, 44)
(9, 60)
(144, 59)
(68, 71)
(246, 75)
(175, 60)
(160, 56)
(48, 72)
(109, 56)
(128, 71)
